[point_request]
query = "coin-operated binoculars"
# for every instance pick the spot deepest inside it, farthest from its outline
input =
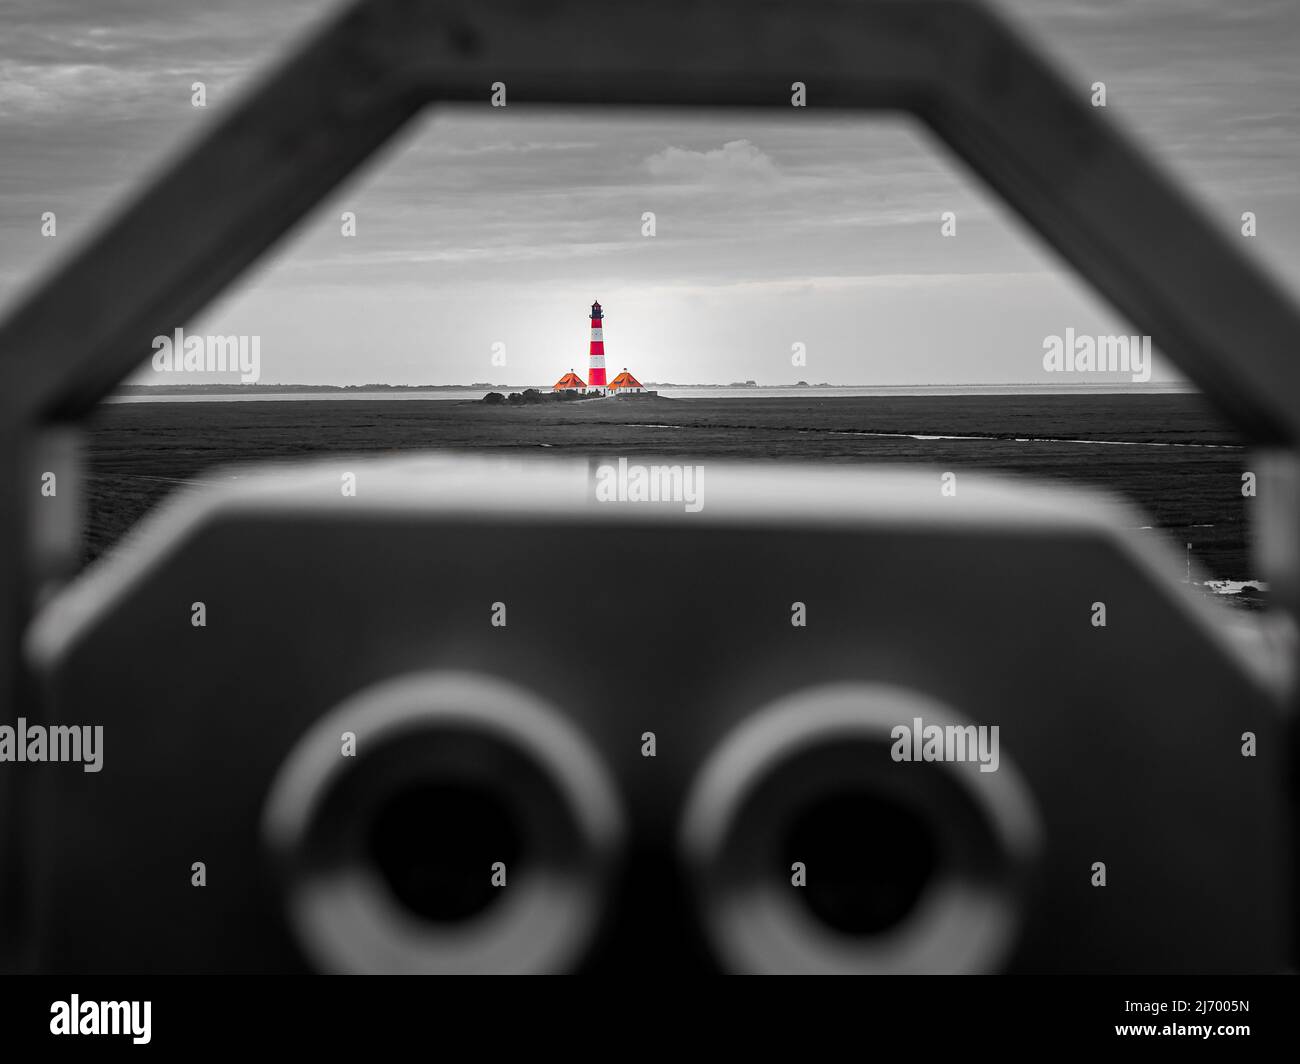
(837, 720)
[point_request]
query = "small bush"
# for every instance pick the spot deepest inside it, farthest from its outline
(494, 398)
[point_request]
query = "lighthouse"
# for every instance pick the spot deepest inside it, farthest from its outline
(623, 385)
(596, 378)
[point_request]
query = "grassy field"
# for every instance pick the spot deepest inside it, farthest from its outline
(140, 452)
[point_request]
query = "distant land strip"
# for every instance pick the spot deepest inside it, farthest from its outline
(236, 388)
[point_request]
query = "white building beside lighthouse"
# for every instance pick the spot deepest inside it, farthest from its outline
(625, 384)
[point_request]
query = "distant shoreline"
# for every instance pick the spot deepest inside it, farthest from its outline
(1011, 386)
(135, 393)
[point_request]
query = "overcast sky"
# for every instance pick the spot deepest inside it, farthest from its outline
(490, 226)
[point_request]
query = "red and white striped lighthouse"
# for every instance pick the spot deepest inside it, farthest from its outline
(596, 378)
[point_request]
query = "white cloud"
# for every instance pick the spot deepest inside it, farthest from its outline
(77, 90)
(735, 160)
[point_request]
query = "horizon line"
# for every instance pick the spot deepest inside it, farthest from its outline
(375, 385)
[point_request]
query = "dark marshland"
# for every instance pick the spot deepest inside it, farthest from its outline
(1170, 453)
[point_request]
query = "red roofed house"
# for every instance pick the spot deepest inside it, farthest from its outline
(570, 381)
(625, 383)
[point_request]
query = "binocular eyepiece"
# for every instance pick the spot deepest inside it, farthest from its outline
(815, 848)
(452, 822)
(470, 828)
